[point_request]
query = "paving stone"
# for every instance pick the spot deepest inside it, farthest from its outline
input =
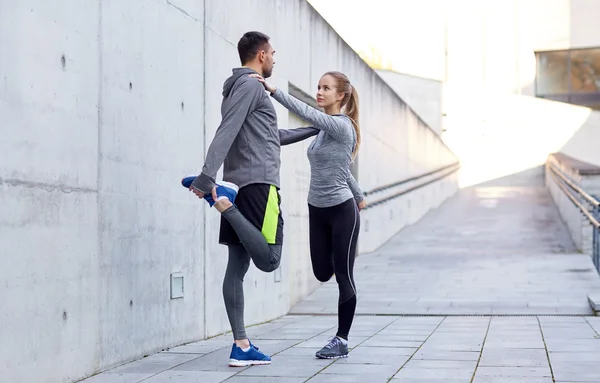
(381, 341)
(401, 338)
(263, 379)
(154, 363)
(576, 371)
(513, 358)
(298, 352)
(345, 378)
(278, 335)
(216, 361)
(446, 355)
(426, 380)
(189, 377)
(451, 346)
(361, 369)
(558, 357)
(409, 374)
(443, 364)
(518, 344)
(573, 345)
(199, 349)
(117, 378)
(459, 336)
(514, 372)
(577, 333)
(378, 355)
(288, 366)
(507, 379)
(556, 320)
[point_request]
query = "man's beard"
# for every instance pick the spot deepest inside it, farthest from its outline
(267, 73)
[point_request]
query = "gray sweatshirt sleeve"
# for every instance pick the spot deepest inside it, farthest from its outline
(243, 100)
(354, 188)
(337, 127)
(291, 136)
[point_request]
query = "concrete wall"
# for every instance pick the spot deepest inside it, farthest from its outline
(583, 145)
(423, 95)
(92, 221)
(92, 217)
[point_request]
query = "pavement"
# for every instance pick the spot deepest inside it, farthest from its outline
(486, 288)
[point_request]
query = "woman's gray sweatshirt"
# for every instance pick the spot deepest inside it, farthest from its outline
(330, 154)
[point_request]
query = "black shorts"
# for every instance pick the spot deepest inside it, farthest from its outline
(261, 205)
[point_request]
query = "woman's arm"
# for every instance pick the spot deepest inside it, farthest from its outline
(356, 192)
(291, 136)
(337, 127)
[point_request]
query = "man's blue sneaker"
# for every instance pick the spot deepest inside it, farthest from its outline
(187, 181)
(224, 190)
(252, 357)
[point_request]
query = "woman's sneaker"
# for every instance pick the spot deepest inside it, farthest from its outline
(252, 357)
(224, 190)
(336, 348)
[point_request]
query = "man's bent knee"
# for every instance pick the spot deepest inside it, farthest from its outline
(267, 267)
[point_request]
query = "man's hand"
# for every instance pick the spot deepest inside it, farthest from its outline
(362, 204)
(200, 195)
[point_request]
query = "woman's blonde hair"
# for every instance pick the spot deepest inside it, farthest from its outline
(349, 103)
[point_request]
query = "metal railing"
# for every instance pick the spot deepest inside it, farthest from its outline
(592, 213)
(442, 172)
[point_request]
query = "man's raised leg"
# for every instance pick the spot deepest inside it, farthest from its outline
(266, 257)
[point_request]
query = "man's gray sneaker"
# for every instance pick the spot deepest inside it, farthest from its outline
(334, 349)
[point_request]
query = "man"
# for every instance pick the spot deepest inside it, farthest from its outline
(248, 143)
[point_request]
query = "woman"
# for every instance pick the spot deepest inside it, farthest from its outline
(334, 194)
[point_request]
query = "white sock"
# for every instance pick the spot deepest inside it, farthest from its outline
(344, 341)
(246, 349)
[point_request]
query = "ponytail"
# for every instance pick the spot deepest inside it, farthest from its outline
(351, 110)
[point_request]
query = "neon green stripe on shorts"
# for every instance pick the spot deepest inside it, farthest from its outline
(269, 226)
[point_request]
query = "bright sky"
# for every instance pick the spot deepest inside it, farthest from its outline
(490, 44)
(398, 29)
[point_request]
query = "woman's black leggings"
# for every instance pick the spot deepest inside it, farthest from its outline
(333, 235)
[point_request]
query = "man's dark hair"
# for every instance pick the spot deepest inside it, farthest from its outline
(250, 44)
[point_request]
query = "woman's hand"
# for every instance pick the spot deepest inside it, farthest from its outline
(267, 86)
(362, 204)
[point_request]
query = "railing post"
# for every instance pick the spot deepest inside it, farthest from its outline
(596, 239)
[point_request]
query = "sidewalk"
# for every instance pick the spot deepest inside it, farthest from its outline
(493, 250)
(409, 349)
(487, 288)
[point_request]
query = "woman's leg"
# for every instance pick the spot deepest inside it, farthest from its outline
(345, 229)
(321, 252)
(344, 225)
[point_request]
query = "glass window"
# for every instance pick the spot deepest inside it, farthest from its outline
(571, 76)
(585, 70)
(552, 72)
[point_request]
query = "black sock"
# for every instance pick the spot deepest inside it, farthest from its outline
(345, 317)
